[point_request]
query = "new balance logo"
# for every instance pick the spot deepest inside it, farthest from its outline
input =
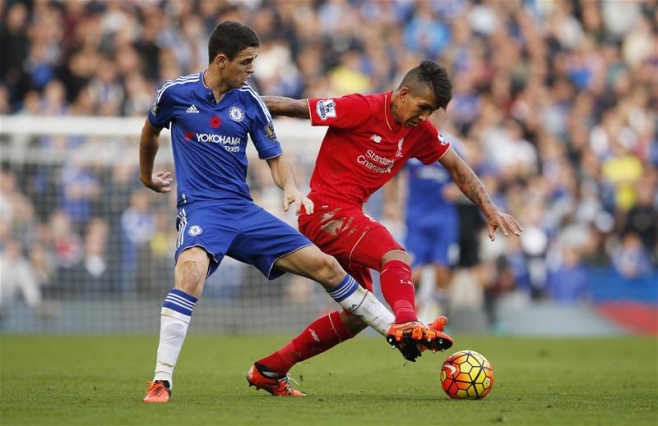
(376, 138)
(192, 110)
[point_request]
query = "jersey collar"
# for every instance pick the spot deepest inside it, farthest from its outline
(208, 91)
(203, 79)
(387, 112)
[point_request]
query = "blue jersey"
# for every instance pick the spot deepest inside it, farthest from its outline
(209, 139)
(426, 205)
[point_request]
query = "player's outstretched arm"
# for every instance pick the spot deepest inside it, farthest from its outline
(279, 105)
(148, 148)
(285, 179)
(471, 185)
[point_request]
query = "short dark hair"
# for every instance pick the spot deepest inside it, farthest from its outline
(430, 75)
(230, 38)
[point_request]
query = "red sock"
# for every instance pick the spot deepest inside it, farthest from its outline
(398, 290)
(322, 334)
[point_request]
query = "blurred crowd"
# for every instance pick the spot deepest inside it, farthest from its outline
(554, 107)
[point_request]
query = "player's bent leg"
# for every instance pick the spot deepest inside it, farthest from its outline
(275, 385)
(310, 262)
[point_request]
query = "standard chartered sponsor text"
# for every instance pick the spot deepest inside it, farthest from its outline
(378, 164)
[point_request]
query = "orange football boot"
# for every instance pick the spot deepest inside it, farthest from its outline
(413, 337)
(276, 386)
(157, 392)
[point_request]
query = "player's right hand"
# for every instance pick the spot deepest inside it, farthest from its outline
(160, 182)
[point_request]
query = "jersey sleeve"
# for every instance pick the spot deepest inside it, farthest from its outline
(262, 131)
(345, 112)
(432, 152)
(161, 112)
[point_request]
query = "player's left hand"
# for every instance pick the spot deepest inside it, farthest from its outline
(505, 222)
(293, 196)
(160, 182)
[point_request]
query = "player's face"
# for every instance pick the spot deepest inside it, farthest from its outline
(237, 71)
(412, 108)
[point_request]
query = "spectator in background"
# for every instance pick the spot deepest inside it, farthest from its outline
(18, 280)
(630, 258)
(567, 283)
(642, 218)
(137, 229)
(80, 191)
(68, 250)
(107, 90)
(157, 261)
(622, 171)
(43, 260)
(535, 245)
(92, 273)
(17, 213)
(15, 39)
(594, 250)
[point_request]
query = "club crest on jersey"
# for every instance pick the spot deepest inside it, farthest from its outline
(236, 114)
(399, 153)
(269, 131)
(326, 109)
(195, 230)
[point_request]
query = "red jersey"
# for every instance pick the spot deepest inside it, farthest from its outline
(363, 148)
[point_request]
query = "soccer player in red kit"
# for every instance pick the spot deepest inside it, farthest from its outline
(368, 140)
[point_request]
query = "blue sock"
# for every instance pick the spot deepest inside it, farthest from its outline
(179, 301)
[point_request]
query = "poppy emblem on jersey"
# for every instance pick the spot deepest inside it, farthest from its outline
(215, 122)
(236, 114)
(269, 131)
(195, 230)
(326, 109)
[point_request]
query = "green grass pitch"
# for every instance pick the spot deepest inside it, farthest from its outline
(100, 380)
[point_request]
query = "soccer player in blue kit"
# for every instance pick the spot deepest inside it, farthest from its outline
(432, 224)
(210, 115)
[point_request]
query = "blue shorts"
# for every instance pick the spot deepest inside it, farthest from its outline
(245, 232)
(439, 245)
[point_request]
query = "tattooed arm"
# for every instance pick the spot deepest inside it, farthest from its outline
(469, 183)
(278, 105)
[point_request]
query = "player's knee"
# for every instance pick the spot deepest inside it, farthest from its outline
(328, 270)
(399, 255)
(189, 277)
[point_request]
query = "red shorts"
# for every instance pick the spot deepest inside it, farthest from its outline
(355, 239)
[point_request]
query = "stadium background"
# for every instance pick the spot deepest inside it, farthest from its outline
(554, 105)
